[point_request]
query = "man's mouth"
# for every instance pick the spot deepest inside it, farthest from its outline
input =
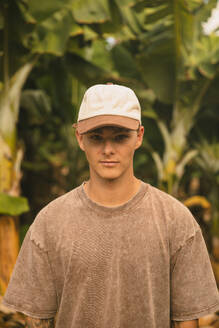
(109, 163)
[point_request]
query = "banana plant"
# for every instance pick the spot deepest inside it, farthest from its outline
(178, 63)
(11, 205)
(208, 161)
(36, 28)
(192, 76)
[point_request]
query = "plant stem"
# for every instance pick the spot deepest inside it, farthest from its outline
(200, 96)
(5, 48)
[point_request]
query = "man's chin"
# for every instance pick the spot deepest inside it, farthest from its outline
(110, 177)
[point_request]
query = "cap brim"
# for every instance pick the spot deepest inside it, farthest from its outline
(95, 122)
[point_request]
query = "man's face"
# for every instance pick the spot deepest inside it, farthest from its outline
(110, 150)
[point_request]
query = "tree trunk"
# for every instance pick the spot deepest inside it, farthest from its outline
(9, 246)
(9, 237)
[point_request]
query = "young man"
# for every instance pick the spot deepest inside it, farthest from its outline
(114, 252)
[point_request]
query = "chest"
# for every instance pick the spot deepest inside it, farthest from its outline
(138, 244)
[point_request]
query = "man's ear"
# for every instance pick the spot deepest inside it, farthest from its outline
(140, 135)
(79, 138)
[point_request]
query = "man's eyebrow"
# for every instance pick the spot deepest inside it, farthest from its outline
(122, 131)
(100, 130)
(114, 129)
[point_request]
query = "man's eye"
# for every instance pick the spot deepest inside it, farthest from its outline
(121, 137)
(96, 137)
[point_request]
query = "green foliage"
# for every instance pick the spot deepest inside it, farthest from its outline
(124, 62)
(10, 205)
(36, 101)
(53, 163)
(91, 11)
(85, 71)
(22, 232)
(178, 62)
(208, 161)
(157, 48)
(208, 158)
(51, 35)
(161, 50)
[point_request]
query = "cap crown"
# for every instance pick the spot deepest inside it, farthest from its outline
(109, 99)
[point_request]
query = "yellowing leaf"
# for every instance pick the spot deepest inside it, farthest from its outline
(10, 205)
(197, 200)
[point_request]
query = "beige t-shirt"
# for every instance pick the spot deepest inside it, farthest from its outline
(137, 265)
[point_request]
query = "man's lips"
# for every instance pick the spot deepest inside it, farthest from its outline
(109, 163)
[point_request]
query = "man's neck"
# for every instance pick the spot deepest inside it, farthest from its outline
(112, 193)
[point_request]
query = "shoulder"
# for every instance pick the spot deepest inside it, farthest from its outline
(55, 218)
(165, 202)
(180, 223)
(60, 206)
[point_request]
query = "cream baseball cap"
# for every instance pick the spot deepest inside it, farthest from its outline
(108, 104)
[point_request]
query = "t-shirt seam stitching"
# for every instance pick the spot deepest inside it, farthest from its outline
(100, 213)
(192, 313)
(46, 252)
(35, 242)
(183, 245)
(22, 308)
(53, 280)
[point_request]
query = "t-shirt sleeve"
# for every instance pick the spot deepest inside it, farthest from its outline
(31, 289)
(193, 288)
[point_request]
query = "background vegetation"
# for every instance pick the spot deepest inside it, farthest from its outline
(51, 51)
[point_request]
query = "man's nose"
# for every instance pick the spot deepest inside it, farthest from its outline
(108, 147)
